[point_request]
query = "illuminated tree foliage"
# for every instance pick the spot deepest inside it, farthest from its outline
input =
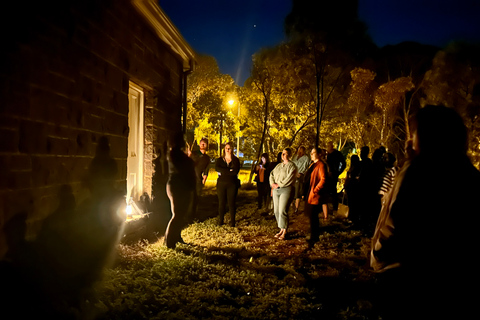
(388, 98)
(361, 97)
(208, 113)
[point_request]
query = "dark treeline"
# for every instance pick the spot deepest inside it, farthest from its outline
(330, 82)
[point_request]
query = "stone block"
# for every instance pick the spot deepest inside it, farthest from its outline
(33, 138)
(9, 140)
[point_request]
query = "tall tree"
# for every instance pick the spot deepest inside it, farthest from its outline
(330, 33)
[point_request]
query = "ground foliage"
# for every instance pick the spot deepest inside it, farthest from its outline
(242, 272)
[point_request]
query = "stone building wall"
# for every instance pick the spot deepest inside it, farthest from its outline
(64, 80)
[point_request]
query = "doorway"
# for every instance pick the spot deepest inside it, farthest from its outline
(136, 124)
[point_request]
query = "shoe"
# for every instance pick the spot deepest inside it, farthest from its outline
(282, 236)
(278, 234)
(296, 211)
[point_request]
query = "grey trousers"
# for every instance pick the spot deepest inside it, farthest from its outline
(282, 198)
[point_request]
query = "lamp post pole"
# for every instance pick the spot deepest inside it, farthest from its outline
(238, 135)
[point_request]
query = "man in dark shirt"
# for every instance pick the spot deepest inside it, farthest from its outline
(202, 161)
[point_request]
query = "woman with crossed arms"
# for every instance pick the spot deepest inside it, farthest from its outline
(282, 180)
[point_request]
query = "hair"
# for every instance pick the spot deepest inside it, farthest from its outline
(176, 140)
(301, 148)
(228, 144)
(389, 159)
(204, 139)
(265, 155)
(318, 151)
(364, 151)
(279, 157)
(439, 127)
(289, 151)
(354, 161)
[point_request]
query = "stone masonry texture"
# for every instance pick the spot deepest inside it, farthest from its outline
(64, 78)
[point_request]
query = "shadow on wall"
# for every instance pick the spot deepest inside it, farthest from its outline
(54, 274)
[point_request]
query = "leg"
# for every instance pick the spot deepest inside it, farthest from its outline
(325, 210)
(276, 203)
(232, 191)
(334, 193)
(312, 213)
(180, 202)
(222, 202)
(283, 205)
(260, 194)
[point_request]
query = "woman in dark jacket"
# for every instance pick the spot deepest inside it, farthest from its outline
(262, 171)
(316, 195)
(227, 168)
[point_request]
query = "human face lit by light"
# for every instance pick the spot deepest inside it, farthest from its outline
(313, 155)
(228, 149)
(203, 145)
(284, 155)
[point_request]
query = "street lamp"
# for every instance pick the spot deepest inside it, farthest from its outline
(231, 102)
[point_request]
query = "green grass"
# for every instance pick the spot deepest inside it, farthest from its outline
(242, 272)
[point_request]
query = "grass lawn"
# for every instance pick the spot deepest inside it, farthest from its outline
(242, 272)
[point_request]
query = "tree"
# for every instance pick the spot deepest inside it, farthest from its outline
(361, 96)
(454, 81)
(388, 98)
(333, 38)
(207, 89)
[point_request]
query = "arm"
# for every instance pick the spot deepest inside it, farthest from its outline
(289, 176)
(321, 178)
(221, 167)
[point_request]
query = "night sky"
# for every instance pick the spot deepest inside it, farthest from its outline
(232, 31)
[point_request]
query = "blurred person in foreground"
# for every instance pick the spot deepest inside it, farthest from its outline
(425, 242)
(227, 167)
(282, 181)
(180, 189)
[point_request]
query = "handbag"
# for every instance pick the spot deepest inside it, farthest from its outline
(342, 211)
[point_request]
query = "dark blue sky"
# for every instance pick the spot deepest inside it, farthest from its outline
(232, 31)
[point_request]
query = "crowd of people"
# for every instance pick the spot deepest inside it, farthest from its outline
(281, 185)
(422, 248)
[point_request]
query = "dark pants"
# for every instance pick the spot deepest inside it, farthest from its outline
(181, 202)
(226, 192)
(196, 199)
(333, 192)
(263, 189)
(312, 212)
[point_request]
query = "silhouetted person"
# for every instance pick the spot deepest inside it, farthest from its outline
(336, 164)
(352, 188)
(426, 238)
(389, 175)
(161, 214)
(202, 162)
(302, 161)
(366, 181)
(180, 189)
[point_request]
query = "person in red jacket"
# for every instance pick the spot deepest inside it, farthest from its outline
(316, 192)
